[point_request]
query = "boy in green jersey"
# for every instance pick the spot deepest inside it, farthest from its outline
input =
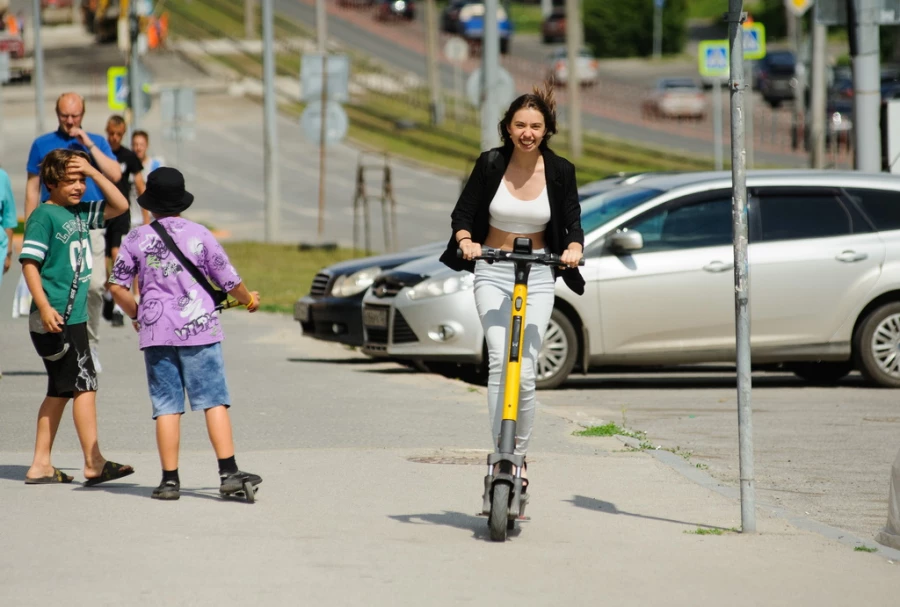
(56, 243)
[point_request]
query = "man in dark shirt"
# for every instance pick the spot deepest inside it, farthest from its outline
(117, 228)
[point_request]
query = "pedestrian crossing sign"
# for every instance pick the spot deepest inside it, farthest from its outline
(754, 41)
(713, 58)
(117, 88)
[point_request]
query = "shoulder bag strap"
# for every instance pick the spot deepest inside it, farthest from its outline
(216, 295)
(73, 291)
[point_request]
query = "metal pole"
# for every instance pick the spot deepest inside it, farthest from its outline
(735, 19)
(322, 157)
(321, 25)
(2, 146)
(249, 19)
(458, 91)
(490, 64)
(749, 102)
(38, 67)
(134, 84)
(800, 88)
(718, 134)
(270, 139)
(817, 95)
(573, 82)
(657, 29)
(434, 77)
(864, 48)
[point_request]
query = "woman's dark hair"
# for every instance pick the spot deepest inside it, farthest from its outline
(540, 99)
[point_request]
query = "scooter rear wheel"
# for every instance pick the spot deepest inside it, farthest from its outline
(499, 512)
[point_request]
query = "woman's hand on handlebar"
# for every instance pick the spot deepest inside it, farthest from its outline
(470, 250)
(571, 257)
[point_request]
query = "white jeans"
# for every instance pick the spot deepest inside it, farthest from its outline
(493, 299)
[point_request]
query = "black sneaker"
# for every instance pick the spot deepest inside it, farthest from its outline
(167, 490)
(118, 319)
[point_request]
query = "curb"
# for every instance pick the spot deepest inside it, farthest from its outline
(706, 481)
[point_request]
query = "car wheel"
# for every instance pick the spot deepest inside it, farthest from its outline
(558, 352)
(822, 373)
(876, 346)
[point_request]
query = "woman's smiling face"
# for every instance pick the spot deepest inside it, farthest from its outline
(526, 129)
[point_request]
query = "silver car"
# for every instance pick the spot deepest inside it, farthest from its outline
(824, 271)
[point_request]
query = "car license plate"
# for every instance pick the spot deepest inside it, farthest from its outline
(375, 317)
(301, 311)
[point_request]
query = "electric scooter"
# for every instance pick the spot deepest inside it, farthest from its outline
(504, 499)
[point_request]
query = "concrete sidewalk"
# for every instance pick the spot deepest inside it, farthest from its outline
(372, 483)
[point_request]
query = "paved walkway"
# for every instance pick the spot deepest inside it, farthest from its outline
(372, 481)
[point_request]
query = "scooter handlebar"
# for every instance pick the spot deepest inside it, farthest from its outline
(228, 303)
(545, 259)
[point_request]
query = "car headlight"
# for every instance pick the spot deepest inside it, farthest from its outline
(442, 285)
(351, 284)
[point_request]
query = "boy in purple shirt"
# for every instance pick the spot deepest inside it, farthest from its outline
(179, 326)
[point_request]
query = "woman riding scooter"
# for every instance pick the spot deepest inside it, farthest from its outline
(519, 190)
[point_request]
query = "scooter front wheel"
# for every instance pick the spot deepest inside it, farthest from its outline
(499, 512)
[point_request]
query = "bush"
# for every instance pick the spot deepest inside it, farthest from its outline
(625, 28)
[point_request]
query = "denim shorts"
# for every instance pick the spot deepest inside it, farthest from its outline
(172, 370)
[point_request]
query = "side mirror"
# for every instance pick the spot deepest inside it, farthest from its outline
(625, 241)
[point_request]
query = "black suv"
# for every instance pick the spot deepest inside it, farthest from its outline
(776, 77)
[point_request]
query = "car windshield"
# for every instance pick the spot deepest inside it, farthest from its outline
(597, 210)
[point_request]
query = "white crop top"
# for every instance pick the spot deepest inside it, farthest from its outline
(510, 214)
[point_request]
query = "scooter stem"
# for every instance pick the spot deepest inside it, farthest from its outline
(514, 362)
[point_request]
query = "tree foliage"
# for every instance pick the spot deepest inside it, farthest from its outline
(624, 28)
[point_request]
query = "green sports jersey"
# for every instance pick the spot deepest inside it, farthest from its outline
(55, 237)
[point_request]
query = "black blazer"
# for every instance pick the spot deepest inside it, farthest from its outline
(472, 209)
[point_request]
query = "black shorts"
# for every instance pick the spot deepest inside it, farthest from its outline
(75, 371)
(116, 229)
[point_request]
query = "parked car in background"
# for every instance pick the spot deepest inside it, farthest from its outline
(586, 67)
(471, 25)
(775, 77)
(839, 104)
(450, 16)
(675, 98)
(395, 9)
(824, 255)
(589, 190)
(12, 42)
(332, 310)
(57, 11)
(553, 27)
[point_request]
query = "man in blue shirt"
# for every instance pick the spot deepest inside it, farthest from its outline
(70, 135)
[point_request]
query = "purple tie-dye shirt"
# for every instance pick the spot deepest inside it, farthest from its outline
(174, 310)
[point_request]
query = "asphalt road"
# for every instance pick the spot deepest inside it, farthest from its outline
(223, 165)
(401, 45)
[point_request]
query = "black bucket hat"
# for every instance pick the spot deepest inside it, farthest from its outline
(165, 193)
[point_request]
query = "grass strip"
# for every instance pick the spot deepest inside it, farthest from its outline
(282, 273)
